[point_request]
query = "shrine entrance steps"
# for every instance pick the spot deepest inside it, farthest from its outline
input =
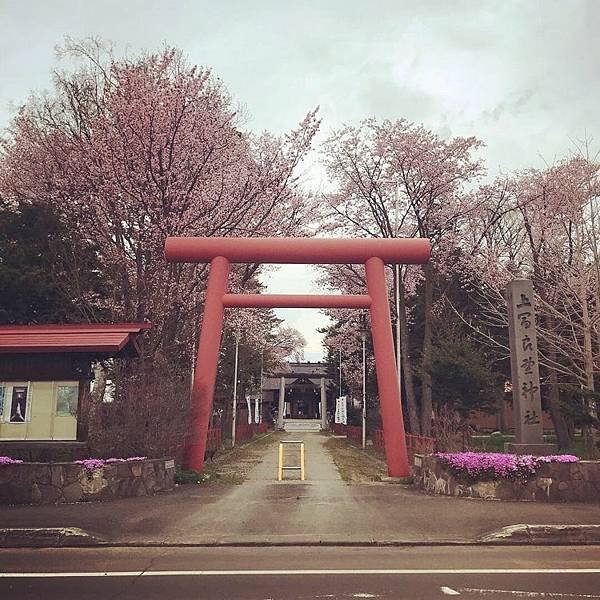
(302, 424)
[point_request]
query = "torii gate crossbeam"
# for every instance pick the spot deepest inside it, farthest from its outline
(373, 253)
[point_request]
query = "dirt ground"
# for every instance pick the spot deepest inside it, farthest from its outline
(231, 466)
(354, 464)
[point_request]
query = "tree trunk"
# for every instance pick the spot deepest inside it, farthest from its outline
(564, 435)
(590, 432)
(426, 397)
(561, 427)
(407, 370)
(94, 402)
(501, 421)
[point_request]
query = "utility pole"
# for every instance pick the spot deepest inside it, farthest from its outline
(340, 385)
(397, 290)
(363, 335)
(235, 381)
(260, 402)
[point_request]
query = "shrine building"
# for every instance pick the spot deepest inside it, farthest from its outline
(298, 397)
(45, 377)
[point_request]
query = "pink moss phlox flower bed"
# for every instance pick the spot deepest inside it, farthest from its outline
(7, 460)
(91, 464)
(485, 466)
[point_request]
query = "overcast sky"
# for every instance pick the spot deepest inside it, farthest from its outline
(522, 76)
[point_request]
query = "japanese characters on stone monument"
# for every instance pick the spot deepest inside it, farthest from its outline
(526, 390)
(527, 400)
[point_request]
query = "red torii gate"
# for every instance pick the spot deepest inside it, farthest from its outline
(373, 253)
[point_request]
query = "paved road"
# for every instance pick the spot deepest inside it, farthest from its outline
(301, 573)
(322, 508)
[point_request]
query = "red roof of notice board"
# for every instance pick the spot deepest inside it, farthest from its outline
(114, 339)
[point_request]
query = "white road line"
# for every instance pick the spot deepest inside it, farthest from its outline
(282, 572)
(519, 593)
(449, 591)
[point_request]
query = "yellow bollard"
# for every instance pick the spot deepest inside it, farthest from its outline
(280, 467)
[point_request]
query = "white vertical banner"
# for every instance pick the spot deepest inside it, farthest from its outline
(341, 410)
(344, 410)
(256, 410)
(249, 403)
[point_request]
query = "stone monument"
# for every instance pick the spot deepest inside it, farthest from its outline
(525, 373)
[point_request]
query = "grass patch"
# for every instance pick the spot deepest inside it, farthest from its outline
(228, 478)
(231, 466)
(187, 476)
(495, 443)
(490, 443)
(354, 464)
(265, 439)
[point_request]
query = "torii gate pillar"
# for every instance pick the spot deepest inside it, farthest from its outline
(205, 373)
(373, 253)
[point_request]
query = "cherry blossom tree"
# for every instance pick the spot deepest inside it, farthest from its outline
(264, 333)
(262, 345)
(138, 149)
(542, 224)
(392, 179)
(132, 150)
(345, 336)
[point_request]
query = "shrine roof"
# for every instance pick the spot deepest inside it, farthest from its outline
(301, 369)
(273, 383)
(106, 340)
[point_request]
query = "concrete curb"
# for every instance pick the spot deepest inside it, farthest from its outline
(46, 537)
(523, 533)
(405, 481)
(513, 535)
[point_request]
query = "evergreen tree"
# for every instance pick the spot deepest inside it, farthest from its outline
(48, 273)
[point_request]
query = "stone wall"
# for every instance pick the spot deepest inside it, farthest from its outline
(553, 482)
(54, 483)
